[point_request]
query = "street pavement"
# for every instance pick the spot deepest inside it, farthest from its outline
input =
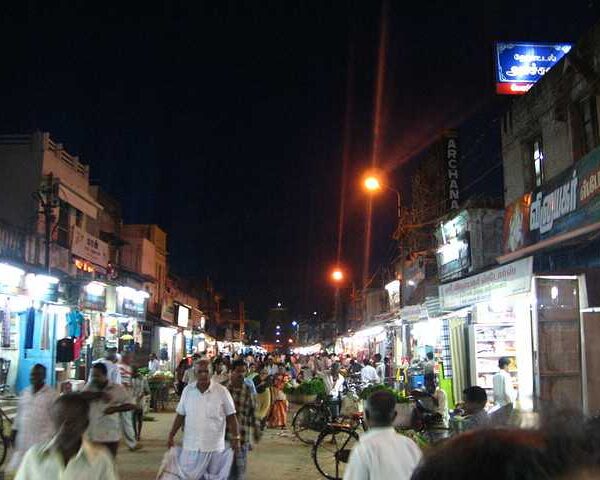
(279, 455)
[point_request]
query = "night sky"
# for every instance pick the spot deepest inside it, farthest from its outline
(223, 121)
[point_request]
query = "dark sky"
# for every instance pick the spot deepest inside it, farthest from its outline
(223, 121)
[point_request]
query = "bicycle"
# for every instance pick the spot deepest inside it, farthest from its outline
(331, 450)
(4, 439)
(312, 418)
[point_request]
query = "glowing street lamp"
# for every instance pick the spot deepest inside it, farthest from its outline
(372, 184)
(337, 275)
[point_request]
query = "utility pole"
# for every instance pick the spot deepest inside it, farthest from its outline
(48, 198)
(242, 321)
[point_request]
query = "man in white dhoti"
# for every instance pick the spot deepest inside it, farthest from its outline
(33, 424)
(206, 408)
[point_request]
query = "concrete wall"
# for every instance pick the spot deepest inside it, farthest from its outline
(547, 110)
(20, 176)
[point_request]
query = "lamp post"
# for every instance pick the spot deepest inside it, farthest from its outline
(373, 184)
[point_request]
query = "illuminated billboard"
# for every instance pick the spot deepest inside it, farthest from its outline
(520, 65)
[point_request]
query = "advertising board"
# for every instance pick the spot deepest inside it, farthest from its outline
(519, 65)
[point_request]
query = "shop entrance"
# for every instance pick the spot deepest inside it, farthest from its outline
(559, 342)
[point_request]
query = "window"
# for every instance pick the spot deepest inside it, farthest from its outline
(79, 218)
(537, 160)
(589, 124)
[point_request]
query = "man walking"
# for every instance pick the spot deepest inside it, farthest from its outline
(207, 408)
(67, 456)
(107, 401)
(110, 361)
(126, 373)
(32, 424)
(245, 407)
(381, 452)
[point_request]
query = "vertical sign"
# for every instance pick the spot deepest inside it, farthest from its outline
(452, 167)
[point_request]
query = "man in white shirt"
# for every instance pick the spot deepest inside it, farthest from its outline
(107, 400)
(382, 453)
(113, 371)
(368, 374)
(153, 363)
(504, 392)
(32, 424)
(379, 367)
(68, 456)
(207, 409)
(334, 386)
(126, 372)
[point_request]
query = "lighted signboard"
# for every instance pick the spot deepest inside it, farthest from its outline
(520, 65)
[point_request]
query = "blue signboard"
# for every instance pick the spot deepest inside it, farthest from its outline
(520, 65)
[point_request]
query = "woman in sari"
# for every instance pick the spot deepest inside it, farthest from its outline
(262, 383)
(278, 416)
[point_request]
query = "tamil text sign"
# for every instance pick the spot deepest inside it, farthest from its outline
(89, 248)
(569, 201)
(495, 284)
(520, 65)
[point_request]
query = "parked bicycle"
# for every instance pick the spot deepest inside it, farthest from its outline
(331, 449)
(5, 441)
(313, 418)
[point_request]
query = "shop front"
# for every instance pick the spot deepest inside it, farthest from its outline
(490, 318)
(558, 224)
(365, 343)
(29, 311)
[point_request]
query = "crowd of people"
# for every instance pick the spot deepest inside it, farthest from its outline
(226, 402)
(70, 435)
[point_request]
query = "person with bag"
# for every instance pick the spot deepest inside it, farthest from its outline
(207, 409)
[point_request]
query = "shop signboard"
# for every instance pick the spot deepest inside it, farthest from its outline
(132, 307)
(452, 166)
(393, 289)
(568, 202)
(520, 65)
(168, 310)
(89, 248)
(93, 300)
(499, 283)
(414, 313)
(183, 315)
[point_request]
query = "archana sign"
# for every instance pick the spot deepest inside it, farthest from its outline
(520, 65)
(568, 202)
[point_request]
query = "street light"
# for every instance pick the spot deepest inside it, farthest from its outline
(372, 183)
(294, 323)
(337, 275)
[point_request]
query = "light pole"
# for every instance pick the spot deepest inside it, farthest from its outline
(296, 325)
(373, 185)
(337, 277)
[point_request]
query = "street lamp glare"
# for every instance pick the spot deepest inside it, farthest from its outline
(337, 275)
(294, 323)
(372, 184)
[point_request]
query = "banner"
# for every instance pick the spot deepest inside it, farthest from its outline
(89, 248)
(567, 202)
(498, 283)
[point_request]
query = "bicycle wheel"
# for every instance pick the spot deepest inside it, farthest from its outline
(331, 451)
(309, 421)
(3, 448)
